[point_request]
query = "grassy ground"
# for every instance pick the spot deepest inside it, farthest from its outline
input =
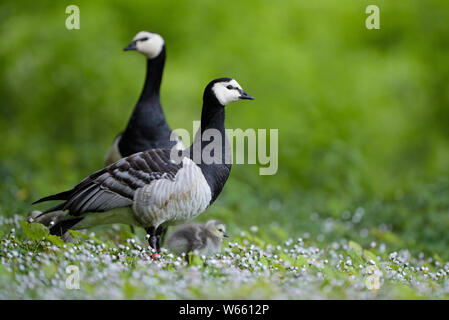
(35, 267)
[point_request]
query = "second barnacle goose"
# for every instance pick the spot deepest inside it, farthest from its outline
(150, 189)
(147, 127)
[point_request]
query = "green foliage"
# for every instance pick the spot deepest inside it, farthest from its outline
(361, 113)
(34, 231)
(243, 270)
(82, 237)
(38, 232)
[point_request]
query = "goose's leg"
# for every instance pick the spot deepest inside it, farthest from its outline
(160, 234)
(152, 240)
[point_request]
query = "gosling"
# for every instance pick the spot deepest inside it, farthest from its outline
(206, 239)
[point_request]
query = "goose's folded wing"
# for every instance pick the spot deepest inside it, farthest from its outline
(115, 185)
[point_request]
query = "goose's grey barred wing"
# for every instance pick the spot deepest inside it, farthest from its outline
(115, 185)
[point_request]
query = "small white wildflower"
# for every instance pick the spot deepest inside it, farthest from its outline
(392, 255)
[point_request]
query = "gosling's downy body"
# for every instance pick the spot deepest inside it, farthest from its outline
(149, 189)
(206, 239)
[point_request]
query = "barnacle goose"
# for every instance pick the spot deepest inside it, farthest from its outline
(149, 188)
(204, 238)
(147, 127)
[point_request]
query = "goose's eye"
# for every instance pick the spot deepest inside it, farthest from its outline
(229, 87)
(221, 230)
(143, 39)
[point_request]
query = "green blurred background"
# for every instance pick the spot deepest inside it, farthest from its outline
(362, 114)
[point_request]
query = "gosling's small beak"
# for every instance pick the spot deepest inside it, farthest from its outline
(226, 235)
(244, 95)
(131, 46)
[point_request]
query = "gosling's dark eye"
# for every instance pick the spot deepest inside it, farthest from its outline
(143, 39)
(229, 87)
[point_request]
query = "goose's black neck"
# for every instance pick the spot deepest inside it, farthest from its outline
(147, 127)
(155, 68)
(212, 124)
(213, 116)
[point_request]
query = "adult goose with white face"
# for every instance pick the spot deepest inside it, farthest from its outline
(150, 189)
(147, 128)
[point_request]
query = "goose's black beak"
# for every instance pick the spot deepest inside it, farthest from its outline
(244, 95)
(131, 46)
(226, 235)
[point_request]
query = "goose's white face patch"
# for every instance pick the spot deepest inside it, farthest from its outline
(227, 92)
(149, 44)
